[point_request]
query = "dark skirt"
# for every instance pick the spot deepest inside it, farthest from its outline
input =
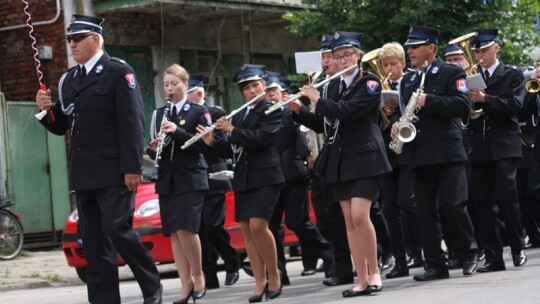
(181, 211)
(259, 202)
(367, 188)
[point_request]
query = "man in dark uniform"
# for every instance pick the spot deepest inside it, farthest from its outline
(101, 103)
(291, 144)
(215, 239)
(496, 149)
(438, 152)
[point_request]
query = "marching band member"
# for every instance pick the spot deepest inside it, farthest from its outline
(257, 177)
(496, 149)
(352, 110)
(399, 206)
(438, 152)
(182, 181)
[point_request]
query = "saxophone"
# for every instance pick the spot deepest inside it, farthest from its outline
(406, 131)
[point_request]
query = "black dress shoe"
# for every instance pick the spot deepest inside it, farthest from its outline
(335, 281)
(308, 272)
(231, 278)
(349, 293)
(398, 271)
(272, 294)
(258, 298)
(156, 298)
(414, 262)
(375, 288)
(386, 263)
(481, 255)
(431, 274)
(470, 265)
(186, 299)
(248, 270)
(199, 294)
(455, 263)
(492, 266)
(519, 258)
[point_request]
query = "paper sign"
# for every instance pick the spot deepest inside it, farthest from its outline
(308, 62)
(476, 81)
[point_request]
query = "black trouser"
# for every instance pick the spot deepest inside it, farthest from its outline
(444, 184)
(399, 204)
(527, 179)
(338, 232)
(293, 201)
(215, 239)
(495, 186)
(384, 245)
(319, 201)
(105, 218)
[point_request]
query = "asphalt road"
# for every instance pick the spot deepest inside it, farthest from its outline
(516, 285)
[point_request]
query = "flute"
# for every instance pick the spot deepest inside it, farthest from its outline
(317, 85)
(195, 138)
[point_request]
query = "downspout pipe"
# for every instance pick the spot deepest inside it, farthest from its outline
(51, 21)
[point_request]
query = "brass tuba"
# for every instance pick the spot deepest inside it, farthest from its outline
(532, 85)
(372, 58)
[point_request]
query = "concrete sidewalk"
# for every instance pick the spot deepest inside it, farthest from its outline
(47, 267)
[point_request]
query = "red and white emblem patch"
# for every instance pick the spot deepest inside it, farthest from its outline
(372, 86)
(208, 118)
(461, 85)
(132, 83)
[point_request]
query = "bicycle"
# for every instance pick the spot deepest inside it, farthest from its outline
(11, 230)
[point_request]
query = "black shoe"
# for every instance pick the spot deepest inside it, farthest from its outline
(248, 270)
(258, 298)
(492, 266)
(199, 294)
(156, 298)
(432, 274)
(481, 255)
(335, 281)
(186, 299)
(349, 293)
(470, 265)
(414, 262)
(455, 263)
(398, 271)
(308, 272)
(231, 278)
(386, 263)
(519, 258)
(375, 288)
(272, 294)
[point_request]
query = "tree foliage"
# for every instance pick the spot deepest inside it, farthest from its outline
(389, 20)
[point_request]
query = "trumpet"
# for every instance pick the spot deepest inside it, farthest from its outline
(161, 138)
(195, 138)
(317, 85)
(532, 85)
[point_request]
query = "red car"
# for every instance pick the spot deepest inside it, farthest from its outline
(147, 222)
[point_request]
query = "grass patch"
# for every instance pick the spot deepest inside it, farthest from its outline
(49, 277)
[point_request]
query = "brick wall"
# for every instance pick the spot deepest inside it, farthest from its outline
(18, 77)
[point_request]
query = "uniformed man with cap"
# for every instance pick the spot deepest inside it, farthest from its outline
(454, 54)
(215, 239)
(100, 102)
(496, 149)
(350, 116)
(438, 152)
(257, 176)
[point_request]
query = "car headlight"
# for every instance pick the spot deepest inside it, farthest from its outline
(74, 216)
(148, 208)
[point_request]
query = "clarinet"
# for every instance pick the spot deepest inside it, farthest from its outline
(161, 138)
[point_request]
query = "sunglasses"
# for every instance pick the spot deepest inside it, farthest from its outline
(414, 47)
(78, 37)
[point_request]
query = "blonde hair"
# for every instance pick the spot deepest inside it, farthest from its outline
(178, 71)
(392, 49)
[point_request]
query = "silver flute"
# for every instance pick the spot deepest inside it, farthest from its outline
(195, 138)
(161, 138)
(317, 85)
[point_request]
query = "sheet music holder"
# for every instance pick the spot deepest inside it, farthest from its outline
(476, 81)
(389, 98)
(308, 62)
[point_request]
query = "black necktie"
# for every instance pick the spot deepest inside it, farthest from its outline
(393, 85)
(486, 73)
(247, 112)
(342, 87)
(174, 112)
(83, 73)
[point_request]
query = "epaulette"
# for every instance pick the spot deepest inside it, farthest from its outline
(122, 61)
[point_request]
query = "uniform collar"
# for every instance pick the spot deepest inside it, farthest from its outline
(89, 65)
(349, 78)
(492, 68)
(179, 105)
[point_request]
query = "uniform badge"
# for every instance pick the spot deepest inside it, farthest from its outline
(182, 122)
(132, 83)
(372, 87)
(208, 118)
(413, 77)
(186, 107)
(461, 85)
(99, 69)
(435, 70)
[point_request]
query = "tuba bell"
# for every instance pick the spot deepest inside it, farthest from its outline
(532, 85)
(372, 58)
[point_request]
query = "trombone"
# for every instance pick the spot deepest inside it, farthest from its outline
(317, 85)
(195, 138)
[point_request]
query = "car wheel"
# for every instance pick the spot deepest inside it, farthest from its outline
(81, 272)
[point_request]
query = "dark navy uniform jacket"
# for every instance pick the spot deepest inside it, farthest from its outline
(439, 137)
(495, 135)
(258, 163)
(185, 169)
(107, 124)
(216, 164)
(358, 150)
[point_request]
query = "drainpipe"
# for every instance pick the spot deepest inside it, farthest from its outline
(53, 20)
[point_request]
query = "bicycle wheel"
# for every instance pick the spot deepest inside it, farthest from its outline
(11, 236)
